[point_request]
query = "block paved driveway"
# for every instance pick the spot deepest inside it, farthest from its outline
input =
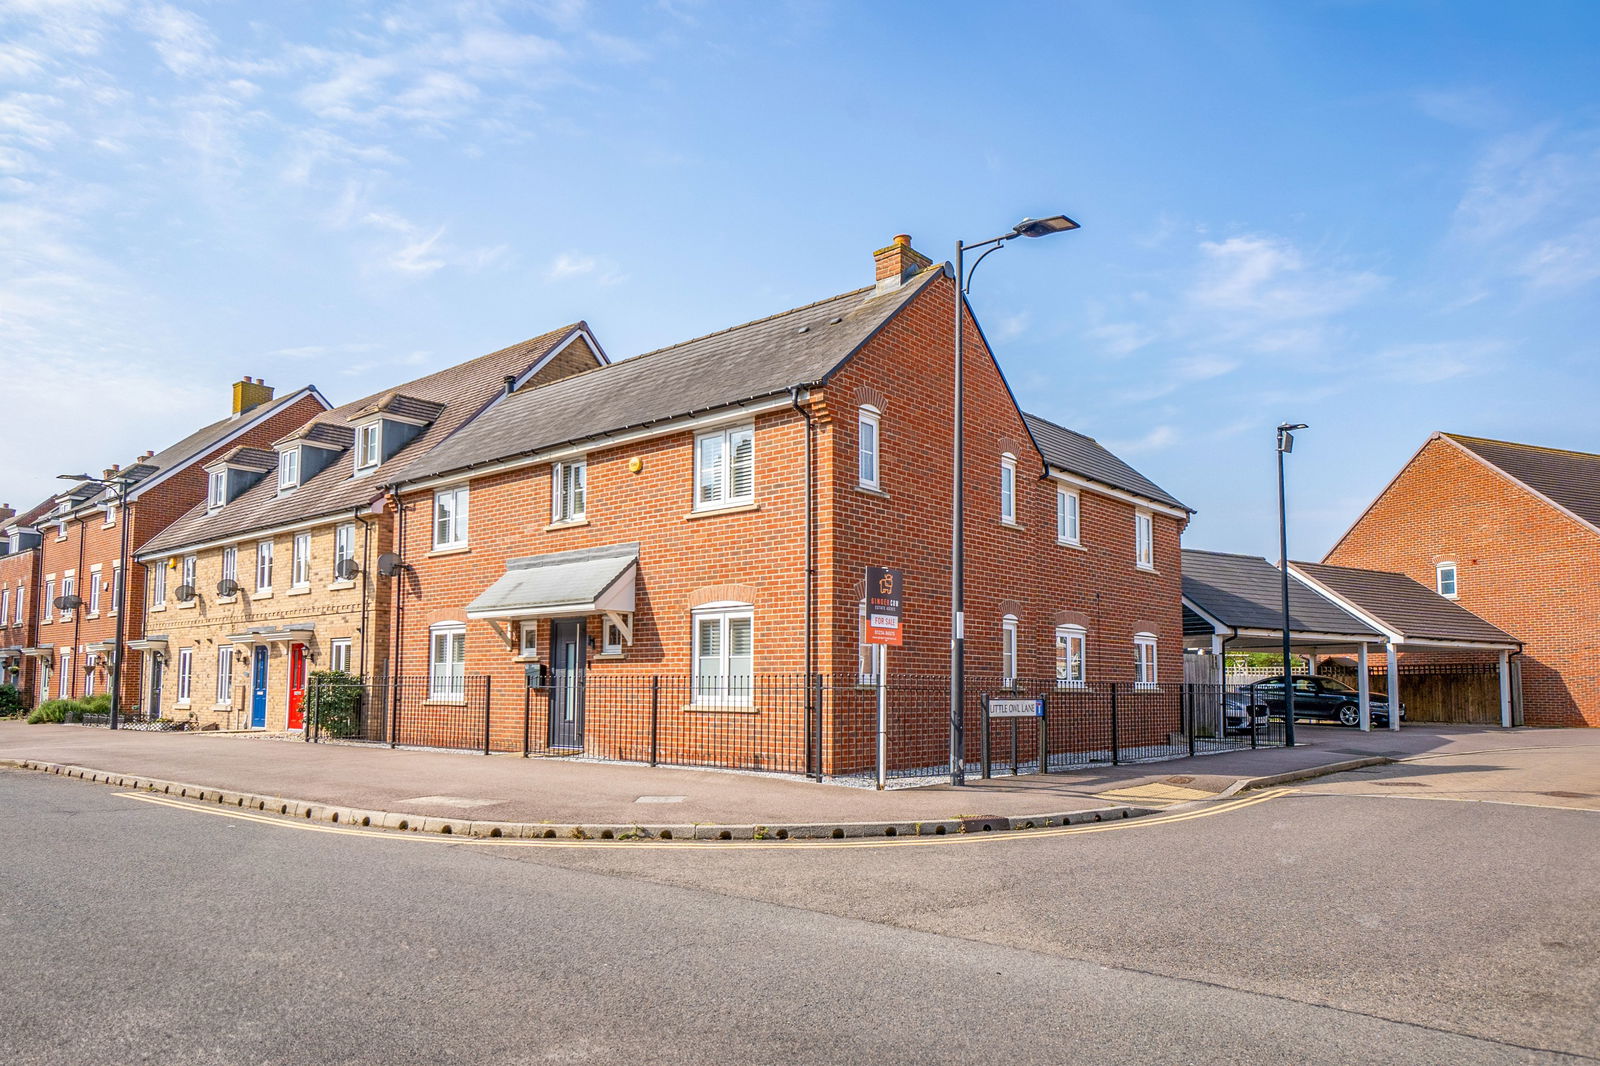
(1341, 923)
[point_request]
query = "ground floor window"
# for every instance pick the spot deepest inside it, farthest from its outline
(339, 655)
(185, 673)
(224, 674)
(612, 642)
(66, 674)
(447, 663)
(88, 683)
(1144, 659)
(1071, 663)
(724, 653)
(1008, 650)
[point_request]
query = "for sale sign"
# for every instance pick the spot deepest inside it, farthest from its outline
(885, 589)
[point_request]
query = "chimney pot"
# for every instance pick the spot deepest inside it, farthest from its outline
(898, 263)
(511, 383)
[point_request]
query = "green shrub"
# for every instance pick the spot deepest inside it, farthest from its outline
(99, 703)
(51, 711)
(13, 701)
(333, 702)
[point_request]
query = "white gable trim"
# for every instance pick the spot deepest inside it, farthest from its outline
(1077, 481)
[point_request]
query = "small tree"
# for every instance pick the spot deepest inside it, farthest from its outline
(333, 702)
(12, 701)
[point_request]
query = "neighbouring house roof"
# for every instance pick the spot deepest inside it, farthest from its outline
(1403, 605)
(459, 393)
(32, 516)
(1570, 480)
(1075, 453)
(754, 361)
(251, 458)
(1246, 592)
(582, 581)
(321, 433)
(399, 403)
(193, 446)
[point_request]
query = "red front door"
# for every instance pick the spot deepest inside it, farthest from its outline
(297, 686)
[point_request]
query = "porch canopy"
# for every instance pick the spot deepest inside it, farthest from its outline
(581, 582)
(41, 651)
(300, 633)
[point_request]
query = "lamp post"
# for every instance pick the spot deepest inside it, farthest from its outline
(1285, 446)
(1028, 227)
(120, 486)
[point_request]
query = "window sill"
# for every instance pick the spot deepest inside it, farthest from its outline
(871, 490)
(732, 508)
(181, 705)
(91, 616)
(449, 549)
(721, 708)
(261, 594)
(1146, 686)
(340, 586)
(190, 605)
(1078, 544)
(444, 703)
(299, 590)
(222, 706)
(227, 599)
(1009, 524)
(571, 523)
(609, 657)
(1072, 686)
(157, 608)
(1145, 568)
(524, 658)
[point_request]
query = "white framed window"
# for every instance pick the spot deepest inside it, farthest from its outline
(569, 491)
(1445, 575)
(870, 657)
(189, 562)
(528, 638)
(611, 638)
(224, 674)
(111, 514)
(339, 657)
(1008, 650)
(217, 490)
(48, 609)
(264, 566)
(1068, 513)
(869, 423)
(450, 517)
(725, 467)
(1144, 660)
(88, 680)
(1144, 546)
(288, 469)
(1008, 488)
(158, 585)
(61, 529)
(69, 586)
(344, 545)
(447, 663)
(116, 587)
(65, 687)
(368, 439)
(94, 591)
(230, 564)
(1072, 668)
(724, 653)
(300, 561)
(22, 596)
(5, 605)
(185, 674)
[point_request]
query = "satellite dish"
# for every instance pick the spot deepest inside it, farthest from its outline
(348, 568)
(226, 587)
(68, 603)
(184, 593)
(389, 564)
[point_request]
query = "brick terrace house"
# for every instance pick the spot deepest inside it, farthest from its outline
(274, 572)
(19, 578)
(80, 551)
(704, 514)
(1512, 532)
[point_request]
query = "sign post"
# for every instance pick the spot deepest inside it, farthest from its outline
(885, 590)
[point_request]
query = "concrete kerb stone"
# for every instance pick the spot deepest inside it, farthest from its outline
(1303, 774)
(358, 817)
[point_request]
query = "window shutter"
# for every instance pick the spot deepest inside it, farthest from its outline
(711, 450)
(744, 464)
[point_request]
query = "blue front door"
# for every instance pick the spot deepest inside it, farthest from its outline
(258, 688)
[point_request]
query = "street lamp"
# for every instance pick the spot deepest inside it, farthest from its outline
(1285, 446)
(1028, 227)
(120, 594)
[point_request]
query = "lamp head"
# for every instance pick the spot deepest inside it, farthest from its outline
(1286, 435)
(1043, 227)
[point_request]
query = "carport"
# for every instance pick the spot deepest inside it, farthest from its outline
(1412, 618)
(1235, 602)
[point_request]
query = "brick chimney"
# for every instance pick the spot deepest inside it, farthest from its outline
(898, 263)
(7, 513)
(249, 393)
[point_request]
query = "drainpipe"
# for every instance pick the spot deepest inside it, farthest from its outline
(366, 578)
(397, 641)
(814, 712)
(77, 612)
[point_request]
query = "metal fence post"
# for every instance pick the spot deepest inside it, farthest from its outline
(1116, 754)
(983, 702)
(486, 704)
(1250, 715)
(821, 694)
(1186, 699)
(527, 704)
(1044, 734)
(655, 719)
(394, 711)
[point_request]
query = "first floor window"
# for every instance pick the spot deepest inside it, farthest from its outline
(5, 606)
(1144, 659)
(1070, 664)
(450, 517)
(158, 585)
(1008, 649)
(185, 673)
(189, 562)
(870, 665)
(300, 568)
(116, 588)
(1008, 488)
(724, 653)
(1067, 506)
(22, 595)
(94, 592)
(344, 547)
(230, 564)
(1144, 552)
(224, 673)
(49, 597)
(725, 467)
(868, 423)
(339, 655)
(569, 491)
(69, 585)
(1447, 579)
(264, 566)
(447, 663)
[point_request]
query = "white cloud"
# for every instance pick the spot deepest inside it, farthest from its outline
(181, 38)
(570, 265)
(1270, 278)
(1568, 261)
(1118, 339)
(1158, 438)
(1431, 363)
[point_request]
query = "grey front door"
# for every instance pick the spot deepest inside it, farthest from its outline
(153, 711)
(566, 696)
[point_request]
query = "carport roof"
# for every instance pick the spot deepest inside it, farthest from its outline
(1244, 592)
(1404, 606)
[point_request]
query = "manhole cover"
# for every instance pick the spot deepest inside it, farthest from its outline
(1179, 780)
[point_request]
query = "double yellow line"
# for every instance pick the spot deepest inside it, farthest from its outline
(1147, 822)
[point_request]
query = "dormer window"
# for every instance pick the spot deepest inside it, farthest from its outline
(288, 469)
(368, 439)
(217, 490)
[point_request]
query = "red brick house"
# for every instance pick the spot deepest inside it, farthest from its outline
(1512, 532)
(80, 552)
(20, 549)
(704, 514)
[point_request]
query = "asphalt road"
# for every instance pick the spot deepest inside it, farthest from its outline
(1319, 927)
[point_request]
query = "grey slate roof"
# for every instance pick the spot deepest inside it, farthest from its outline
(1077, 454)
(1406, 606)
(246, 456)
(460, 391)
(339, 437)
(556, 580)
(398, 403)
(1571, 479)
(1245, 592)
(749, 362)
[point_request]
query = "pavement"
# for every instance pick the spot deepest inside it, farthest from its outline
(509, 795)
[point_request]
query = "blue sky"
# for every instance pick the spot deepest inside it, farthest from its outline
(1379, 219)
